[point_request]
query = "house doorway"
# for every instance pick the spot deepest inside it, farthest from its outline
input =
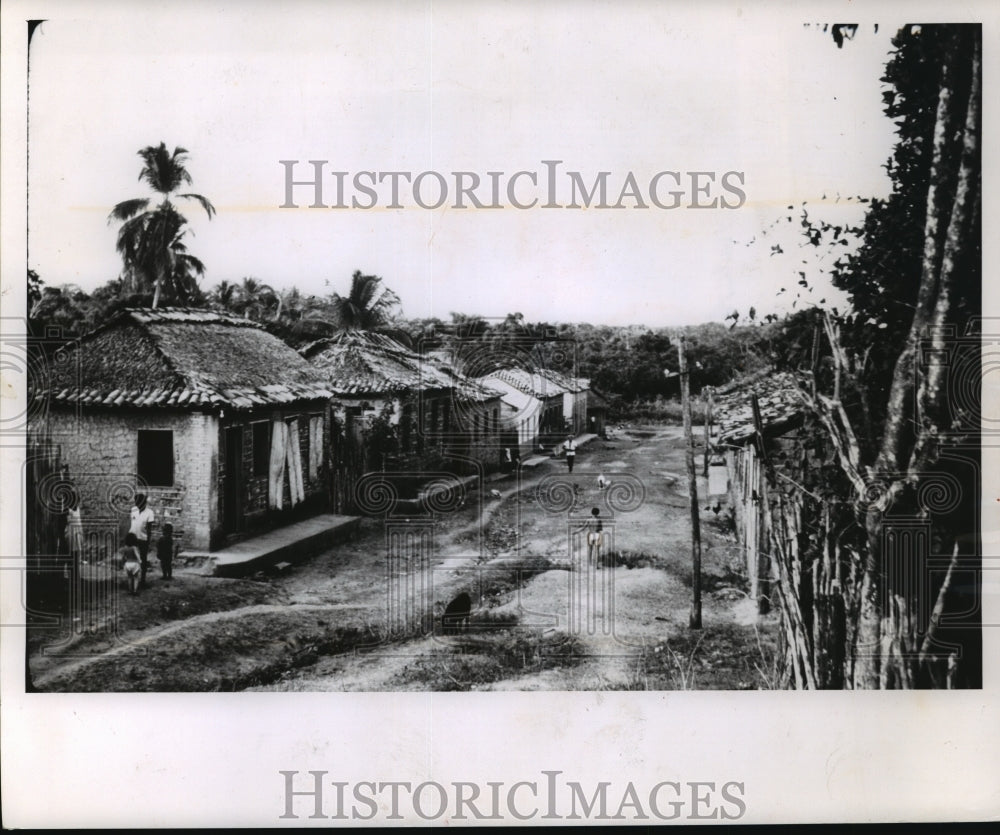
(232, 504)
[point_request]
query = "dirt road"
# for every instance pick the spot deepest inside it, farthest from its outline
(355, 619)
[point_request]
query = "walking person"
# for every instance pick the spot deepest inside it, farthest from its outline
(142, 521)
(165, 551)
(570, 447)
(130, 562)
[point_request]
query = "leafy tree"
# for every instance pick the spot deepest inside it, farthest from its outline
(898, 375)
(225, 296)
(256, 300)
(151, 237)
(936, 75)
(64, 307)
(34, 289)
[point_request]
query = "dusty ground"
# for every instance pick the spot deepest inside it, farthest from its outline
(541, 620)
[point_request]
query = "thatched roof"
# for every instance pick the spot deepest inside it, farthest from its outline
(780, 403)
(182, 358)
(358, 363)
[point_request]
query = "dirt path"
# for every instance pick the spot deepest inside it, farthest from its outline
(556, 625)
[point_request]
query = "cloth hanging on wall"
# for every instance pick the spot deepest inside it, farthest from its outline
(276, 470)
(315, 447)
(296, 486)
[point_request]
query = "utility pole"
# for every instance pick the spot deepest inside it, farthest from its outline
(708, 426)
(695, 621)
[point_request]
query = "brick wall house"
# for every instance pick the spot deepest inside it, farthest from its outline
(223, 426)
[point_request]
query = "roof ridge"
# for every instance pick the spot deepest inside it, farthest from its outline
(176, 314)
(157, 344)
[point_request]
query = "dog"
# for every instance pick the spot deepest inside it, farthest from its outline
(456, 614)
(602, 482)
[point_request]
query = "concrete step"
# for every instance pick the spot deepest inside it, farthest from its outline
(290, 544)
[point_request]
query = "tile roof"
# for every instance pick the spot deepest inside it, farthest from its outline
(565, 381)
(778, 395)
(534, 384)
(466, 388)
(363, 363)
(182, 358)
(520, 401)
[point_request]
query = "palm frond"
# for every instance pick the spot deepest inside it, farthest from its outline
(164, 172)
(205, 203)
(192, 262)
(128, 209)
(130, 236)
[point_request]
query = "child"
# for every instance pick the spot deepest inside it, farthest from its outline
(595, 535)
(165, 551)
(130, 556)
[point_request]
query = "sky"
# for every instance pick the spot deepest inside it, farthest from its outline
(486, 87)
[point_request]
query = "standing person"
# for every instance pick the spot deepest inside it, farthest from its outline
(570, 447)
(130, 562)
(593, 530)
(165, 551)
(74, 533)
(142, 520)
(595, 536)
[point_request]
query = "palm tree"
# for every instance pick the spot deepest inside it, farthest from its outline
(369, 306)
(225, 296)
(256, 298)
(150, 239)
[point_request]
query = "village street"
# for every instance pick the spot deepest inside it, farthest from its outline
(347, 619)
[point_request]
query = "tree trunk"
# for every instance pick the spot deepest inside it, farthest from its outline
(886, 649)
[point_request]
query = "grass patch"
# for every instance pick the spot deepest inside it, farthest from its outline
(227, 654)
(475, 660)
(186, 596)
(718, 657)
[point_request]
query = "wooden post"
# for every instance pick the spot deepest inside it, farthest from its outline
(695, 621)
(708, 426)
(765, 479)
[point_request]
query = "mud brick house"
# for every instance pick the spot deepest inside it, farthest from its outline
(477, 438)
(397, 412)
(534, 413)
(221, 424)
(476, 431)
(376, 379)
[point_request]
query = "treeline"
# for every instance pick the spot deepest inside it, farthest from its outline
(632, 366)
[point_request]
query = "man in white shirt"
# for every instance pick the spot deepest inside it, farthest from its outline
(142, 520)
(570, 447)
